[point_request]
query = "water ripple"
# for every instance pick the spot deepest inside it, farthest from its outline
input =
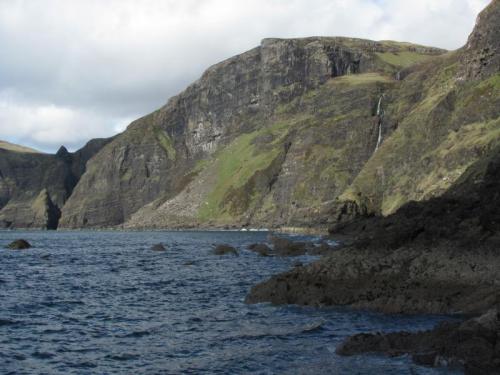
(103, 302)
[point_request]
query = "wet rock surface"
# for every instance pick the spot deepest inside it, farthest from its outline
(471, 345)
(285, 247)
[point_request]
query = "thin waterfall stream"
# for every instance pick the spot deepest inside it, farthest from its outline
(380, 115)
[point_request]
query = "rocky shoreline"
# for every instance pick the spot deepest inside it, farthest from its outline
(472, 345)
(438, 256)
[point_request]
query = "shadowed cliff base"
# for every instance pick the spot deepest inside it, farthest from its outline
(438, 256)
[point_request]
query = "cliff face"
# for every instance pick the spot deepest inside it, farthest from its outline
(35, 186)
(448, 117)
(482, 52)
(248, 143)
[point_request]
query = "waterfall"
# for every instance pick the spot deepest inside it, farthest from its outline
(380, 114)
(379, 105)
(379, 135)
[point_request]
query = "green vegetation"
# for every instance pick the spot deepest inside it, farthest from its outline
(361, 79)
(237, 163)
(444, 125)
(17, 148)
(166, 143)
(456, 153)
(403, 59)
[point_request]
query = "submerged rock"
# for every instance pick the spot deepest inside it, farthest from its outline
(472, 344)
(261, 249)
(158, 247)
(224, 249)
(19, 245)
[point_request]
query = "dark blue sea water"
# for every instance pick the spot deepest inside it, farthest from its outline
(104, 303)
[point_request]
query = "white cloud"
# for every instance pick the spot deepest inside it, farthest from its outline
(51, 126)
(87, 66)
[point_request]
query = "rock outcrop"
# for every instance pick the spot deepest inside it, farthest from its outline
(482, 51)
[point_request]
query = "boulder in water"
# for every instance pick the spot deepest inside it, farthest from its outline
(224, 249)
(285, 247)
(19, 245)
(261, 249)
(158, 247)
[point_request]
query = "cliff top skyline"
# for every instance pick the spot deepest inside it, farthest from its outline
(72, 71)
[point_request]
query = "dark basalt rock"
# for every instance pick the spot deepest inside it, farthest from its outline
(322, 249)
(261, 249)
(285, 247)
(19, 245)
(223, 249)
(158, 247)
(472, 344)
(482, 52)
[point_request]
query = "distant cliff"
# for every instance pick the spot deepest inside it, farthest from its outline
(299, 133)
(34, 186)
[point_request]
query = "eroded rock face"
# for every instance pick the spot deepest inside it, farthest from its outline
(482, 51)
(35, 186)
(163, 169)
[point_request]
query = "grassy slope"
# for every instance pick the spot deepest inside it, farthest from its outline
(439, 136)
(17, 148)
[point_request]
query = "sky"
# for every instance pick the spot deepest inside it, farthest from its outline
(75, 70)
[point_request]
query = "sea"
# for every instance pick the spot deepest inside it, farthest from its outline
(103, 302)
